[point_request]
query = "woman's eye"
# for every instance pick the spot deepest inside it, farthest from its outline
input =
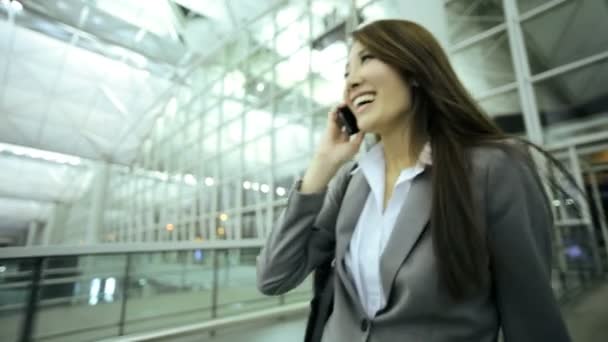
(365, 57)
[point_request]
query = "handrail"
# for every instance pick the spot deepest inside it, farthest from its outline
(124, 248)
(215, 324)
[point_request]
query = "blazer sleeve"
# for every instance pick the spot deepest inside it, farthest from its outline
(302, 238)
(519, 226)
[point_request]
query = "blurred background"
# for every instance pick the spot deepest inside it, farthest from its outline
(146, 148)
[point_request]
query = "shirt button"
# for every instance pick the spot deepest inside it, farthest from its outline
(364, 325)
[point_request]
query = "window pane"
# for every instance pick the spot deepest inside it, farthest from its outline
(467, 18)
(485, 65)
(505, 110)
(257, 153)
(575, 96)
(566, 33)
(292, 140)
(526, 5)
(257, 122)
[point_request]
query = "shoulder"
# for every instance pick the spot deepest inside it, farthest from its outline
(506, 155)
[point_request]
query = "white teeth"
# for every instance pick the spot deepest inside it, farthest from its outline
(363, 98)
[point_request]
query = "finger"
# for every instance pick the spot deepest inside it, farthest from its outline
(357, 139)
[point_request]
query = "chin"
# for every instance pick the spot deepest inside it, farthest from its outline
(366, 127)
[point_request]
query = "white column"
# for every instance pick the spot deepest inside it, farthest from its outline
(98, 204)
(31, 233)
(49, 227)
(522, 73)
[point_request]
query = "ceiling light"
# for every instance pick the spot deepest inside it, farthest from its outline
(189, 179)
(223, 217)
(260, 87)
(246, 185)
(170, 227)
(209, 181)
(16, 6)
(40, 154)
(281, 191)
(264, 188)
(255, 186)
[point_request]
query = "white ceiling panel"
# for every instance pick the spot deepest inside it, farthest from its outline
(57, 138)
(10, 133)
(75, 88)
(43, 76)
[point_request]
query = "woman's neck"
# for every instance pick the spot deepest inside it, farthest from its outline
(396, 145)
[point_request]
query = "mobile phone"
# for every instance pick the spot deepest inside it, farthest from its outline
(348, 120)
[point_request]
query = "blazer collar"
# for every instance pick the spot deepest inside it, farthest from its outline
(411, 223)
(412, 219)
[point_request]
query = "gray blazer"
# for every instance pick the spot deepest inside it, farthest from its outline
(518, 298)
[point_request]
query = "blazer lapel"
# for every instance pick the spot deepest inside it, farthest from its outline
(350, 210)
(410, 223)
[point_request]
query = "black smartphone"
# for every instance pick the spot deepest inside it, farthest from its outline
(348, 120)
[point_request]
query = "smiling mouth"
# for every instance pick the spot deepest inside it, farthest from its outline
(362, 101)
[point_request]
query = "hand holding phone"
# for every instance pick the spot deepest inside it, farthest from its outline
(348, 120)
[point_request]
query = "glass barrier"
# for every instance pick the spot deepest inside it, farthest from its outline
(90, 297)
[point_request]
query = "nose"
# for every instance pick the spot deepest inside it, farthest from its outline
(352, 82)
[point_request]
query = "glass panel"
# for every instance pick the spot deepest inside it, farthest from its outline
(485, 65)
(526, 5)
(257, 153)
(506, 111)
(169, 289)
(577, 248)
(15, 281)
(257, 122)
(328, 65)
(469, 17)
(575, 97)
(232, 108)
(292, 140)
(262, 30)
(210, 146)
(80, 298)
(231, 164)
(210, 117)
(287, 173)
(287, 15)
(237, 290)
(261, 62)
(250, 226)
(253, 184)
(566, 33)
(294, 69)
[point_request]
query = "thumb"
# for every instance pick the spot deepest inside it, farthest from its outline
(358, 139)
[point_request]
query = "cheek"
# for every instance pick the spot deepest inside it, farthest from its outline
(399, 97)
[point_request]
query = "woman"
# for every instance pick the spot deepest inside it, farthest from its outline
(441, 232)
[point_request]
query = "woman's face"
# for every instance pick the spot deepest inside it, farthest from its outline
(375, 92)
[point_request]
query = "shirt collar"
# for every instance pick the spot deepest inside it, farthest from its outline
(375, 158)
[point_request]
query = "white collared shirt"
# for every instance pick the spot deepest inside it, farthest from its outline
(374, 226)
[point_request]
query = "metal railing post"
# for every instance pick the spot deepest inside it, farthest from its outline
(30, 310)
(125, 296)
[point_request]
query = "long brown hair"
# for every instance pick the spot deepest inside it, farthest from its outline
(445, 113)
